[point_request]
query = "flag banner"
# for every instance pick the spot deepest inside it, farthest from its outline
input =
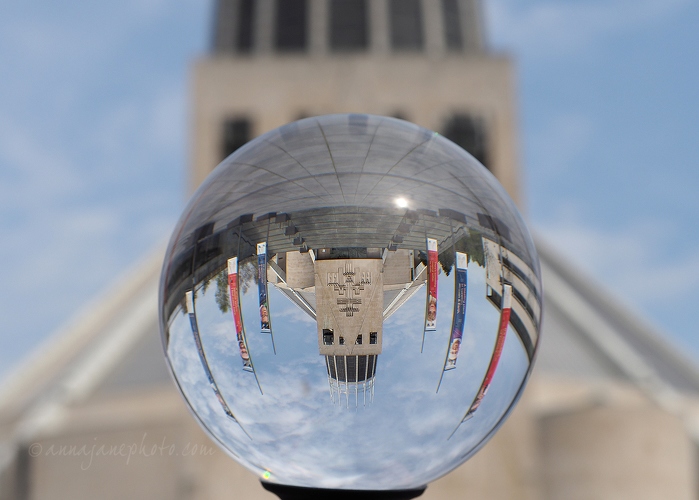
(432, 273)
(265, 325)
(497, 352)
(493, 264)
(457, 331)
(504, 265)
(235, 310)
(200, 349)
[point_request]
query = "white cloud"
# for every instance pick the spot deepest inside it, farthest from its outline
(544, 29)
(293, 313)
(404, 429)
(34, 174)
(642, 262)
(92, 155)
(74, 215)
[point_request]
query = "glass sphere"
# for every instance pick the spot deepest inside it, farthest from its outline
(352, 302)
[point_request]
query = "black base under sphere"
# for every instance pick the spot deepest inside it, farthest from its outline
(285, 492)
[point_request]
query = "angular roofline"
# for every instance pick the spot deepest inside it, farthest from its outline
(643, 339)
(36, 373)
(638, 351)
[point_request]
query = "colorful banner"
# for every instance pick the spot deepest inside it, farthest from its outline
(200, 349)
(265, 325)
(457, 331)
(505, 308)
(432, 273)
(235, 310)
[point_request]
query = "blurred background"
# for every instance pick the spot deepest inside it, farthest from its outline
(110, 114)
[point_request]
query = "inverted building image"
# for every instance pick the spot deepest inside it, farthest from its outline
(367, 216)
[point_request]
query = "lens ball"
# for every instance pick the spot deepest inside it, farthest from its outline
(350, 301)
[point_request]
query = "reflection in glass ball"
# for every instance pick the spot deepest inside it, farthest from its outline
(351, 301)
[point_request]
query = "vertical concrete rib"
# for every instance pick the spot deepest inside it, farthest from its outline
(379, 27)
(471, 25)
(318, 16)
(264, 19)
(433, 23)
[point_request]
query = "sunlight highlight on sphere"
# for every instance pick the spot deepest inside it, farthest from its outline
(401, 202)
(350, 301)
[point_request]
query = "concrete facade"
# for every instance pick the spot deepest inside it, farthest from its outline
(349, 303)
(635, 452)
(615, 448)
(274, 90)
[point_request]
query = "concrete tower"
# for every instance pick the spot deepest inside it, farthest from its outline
(274, 61)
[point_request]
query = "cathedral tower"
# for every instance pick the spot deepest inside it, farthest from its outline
(274, 61)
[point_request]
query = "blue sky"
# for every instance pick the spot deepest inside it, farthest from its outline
(609, 107)
(94, 132)
(297, 405)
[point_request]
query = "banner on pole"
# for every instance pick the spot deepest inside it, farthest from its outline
(457, 331)
(202, 357)
(432, 276)
(265, 324)
(237, 317)
(505, 308)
